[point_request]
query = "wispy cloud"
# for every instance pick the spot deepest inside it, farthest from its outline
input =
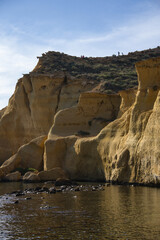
(135, 35)
(13, 62)
(17, 57)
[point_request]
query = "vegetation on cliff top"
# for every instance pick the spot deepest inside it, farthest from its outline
(114, 73)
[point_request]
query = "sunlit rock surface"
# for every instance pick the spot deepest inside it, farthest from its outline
(32, 107)
(90, 135)
(126, 150)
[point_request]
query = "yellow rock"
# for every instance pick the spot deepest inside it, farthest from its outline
(52, 174)
(127, 99)
(28, 156)
(31, 177)
(93, 112)
(103, 137)
(127, 149)
(32, 107)
(13, 177)
(9, 165)
(129, 145)
(2, 112)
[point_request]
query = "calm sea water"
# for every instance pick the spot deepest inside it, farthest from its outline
(118, 212)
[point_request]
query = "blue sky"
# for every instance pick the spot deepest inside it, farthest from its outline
(29, 28)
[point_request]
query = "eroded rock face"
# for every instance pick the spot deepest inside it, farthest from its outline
(103, 137)
(93, 112)
(28, 156)
(2, 112)
(126, 150)
(52, 174)
(128, 147)
(32, 107)
(31, 177)
(31, 154)
(9, 165)
(13, 177)
(128, 98)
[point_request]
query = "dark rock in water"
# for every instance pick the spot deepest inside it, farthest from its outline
(28, 198)
(63, 187)
(43, 189)
(29, 190)
(52, 190)
(93, 189)
(48, 182)
(58, 190)
(19, 194)
(77, 189)
(16, 192)
(46, 207)
(37, 189)
(61, 181)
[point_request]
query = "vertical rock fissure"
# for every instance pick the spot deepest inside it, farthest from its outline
(26, 100)
(59, 93)
(114, 110)
(30, 82)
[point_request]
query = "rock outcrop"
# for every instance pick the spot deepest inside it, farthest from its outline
(93, 112)
(90, 135)
(28, 156)
(31, 177)
(126, 150)
(13, 177)
(52, 174)
(32, 107)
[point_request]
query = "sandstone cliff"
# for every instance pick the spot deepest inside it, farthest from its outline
(32, 107)
(126, 150)
(89, 135)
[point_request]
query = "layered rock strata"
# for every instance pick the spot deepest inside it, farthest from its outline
(126, 150)
(31, 109)
(93, 112)
(103, 137)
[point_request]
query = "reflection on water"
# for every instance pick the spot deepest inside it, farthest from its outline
(118, 212)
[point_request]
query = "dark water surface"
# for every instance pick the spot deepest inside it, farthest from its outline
(118, 212)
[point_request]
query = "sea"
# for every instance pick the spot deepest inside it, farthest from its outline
(116, 212)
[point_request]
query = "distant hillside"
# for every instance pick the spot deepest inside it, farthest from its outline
(111, 73)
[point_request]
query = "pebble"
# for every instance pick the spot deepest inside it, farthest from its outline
(63, 188)
(52, 190)
(28, 198)
(19, 194)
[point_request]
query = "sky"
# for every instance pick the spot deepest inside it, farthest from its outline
(76, 27)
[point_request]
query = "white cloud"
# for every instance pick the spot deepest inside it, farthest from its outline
(135, 35)
(131, 37)
(17, 58)
(13, 63)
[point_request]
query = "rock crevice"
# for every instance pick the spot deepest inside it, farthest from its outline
(59, 93)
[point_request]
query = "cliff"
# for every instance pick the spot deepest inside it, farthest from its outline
(32, 107)
(126, 150)
(62, 124)
(112, 74)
